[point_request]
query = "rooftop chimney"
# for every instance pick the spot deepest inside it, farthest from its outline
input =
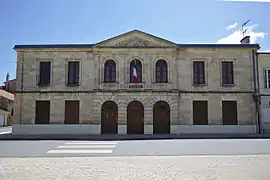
(245, 40)
(7, 82)
(7, 77)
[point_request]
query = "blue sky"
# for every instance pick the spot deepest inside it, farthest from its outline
(91, 21)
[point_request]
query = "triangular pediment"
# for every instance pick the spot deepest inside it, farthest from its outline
(135, 39)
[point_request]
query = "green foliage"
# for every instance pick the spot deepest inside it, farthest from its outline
(9, 120)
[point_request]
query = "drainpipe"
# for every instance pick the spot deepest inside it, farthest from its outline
(258, 94)
(21, 88)
(255, 95)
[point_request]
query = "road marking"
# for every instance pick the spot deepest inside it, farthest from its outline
(87, 146)
(79, 151)
(92, 143)
(84, 147)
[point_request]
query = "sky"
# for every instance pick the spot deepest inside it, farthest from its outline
(91, 21)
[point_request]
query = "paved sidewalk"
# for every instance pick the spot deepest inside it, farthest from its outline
(5, 130)
(130, 136)
(137, 168)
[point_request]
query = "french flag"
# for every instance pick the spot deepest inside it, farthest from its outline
(134, 75)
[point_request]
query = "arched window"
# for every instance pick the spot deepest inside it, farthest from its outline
(110, 71)
(138, 66)
(161, 71)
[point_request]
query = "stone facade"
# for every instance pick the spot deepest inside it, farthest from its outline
(264, 65)
(179, 92)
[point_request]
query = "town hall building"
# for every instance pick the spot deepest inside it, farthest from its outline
(179, 88)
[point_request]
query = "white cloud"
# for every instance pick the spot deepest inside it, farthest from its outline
(249, 0)
(236, 36)
(232, 26)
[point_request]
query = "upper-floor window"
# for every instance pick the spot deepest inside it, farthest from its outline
(227, 73)
(110, 71)
(267, 78)
(44, 73)
(73, 72)
(198, 72)
(136, 71)
(161, 71)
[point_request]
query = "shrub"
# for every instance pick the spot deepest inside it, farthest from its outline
(9, 120)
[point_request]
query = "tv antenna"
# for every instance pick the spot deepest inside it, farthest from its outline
(244, 28)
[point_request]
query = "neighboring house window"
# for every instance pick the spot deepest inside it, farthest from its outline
(200, 113)
(229, 113)
(227, 73)
(267, 78)
(138, 66)
(161, 71)
(198, 72)
(72, 112)
(45, 73)
(73, 72)
(110, 71)
(42, 112)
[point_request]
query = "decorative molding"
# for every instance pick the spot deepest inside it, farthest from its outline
(139, 90)
(135, 86)
(135, 42)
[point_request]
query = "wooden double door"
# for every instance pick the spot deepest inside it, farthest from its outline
(135, 118)
(161, 118)
(109, 118)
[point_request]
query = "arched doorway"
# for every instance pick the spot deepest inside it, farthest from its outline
(161, 118)
(109, 118)
(135, 118)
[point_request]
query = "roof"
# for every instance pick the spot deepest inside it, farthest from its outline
(52, 46)
(263, 52)
(48, 46)
(10, 81)
(6, 95)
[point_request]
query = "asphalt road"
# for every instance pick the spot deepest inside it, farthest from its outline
(215, 159)
(181, 147)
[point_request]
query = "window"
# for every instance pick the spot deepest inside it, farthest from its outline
(267, 78)
(44, 73)
(72, 112)
(73, 72)
(161, 71)
(138, 66)
(198, 72)
(227, 73)
(229, 112)
(42, 112)
(110, 71)
(200, 112)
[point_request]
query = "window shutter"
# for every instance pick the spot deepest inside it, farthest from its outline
(158, 72)
(45, 73)
(77, 72)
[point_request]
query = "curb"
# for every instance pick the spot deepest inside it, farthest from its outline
(129, 137)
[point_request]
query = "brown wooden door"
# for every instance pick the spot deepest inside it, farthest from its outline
(72, 112)
(161, 118)
(109, 118)
(229, 112)
(42, 112)
(135, 118)
(200, 113)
